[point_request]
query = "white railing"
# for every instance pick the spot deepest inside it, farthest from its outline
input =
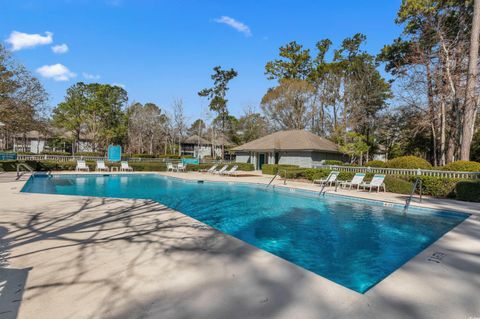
(401, 171)
(63, 158)
(57, 158)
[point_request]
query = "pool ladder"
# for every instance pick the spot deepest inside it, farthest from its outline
(276, 174)
(26, 167)
(418, 183)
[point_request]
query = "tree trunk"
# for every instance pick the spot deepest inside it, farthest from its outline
(469, 113)
(443, 128)
(431, 108)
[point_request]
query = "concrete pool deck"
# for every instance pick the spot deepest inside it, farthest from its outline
(82, 257)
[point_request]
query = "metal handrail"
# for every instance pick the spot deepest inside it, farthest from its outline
(271, 181)
(276, 174)
(418, 182)
(26, 166)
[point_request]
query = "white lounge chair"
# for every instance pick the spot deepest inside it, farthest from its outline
(220, 171)
(82, 166)
(376, 182)
(125, 167)
(332, 177)
(170, 167)
(211, 169)
(101, 166)
(181, 167)
(231, 171)
(356, 181)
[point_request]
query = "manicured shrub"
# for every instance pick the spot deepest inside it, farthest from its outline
(375, 164)
(199, 167)
(462, 166)
(293, 173)
(148, 166)
(437, 186)
(468, 191)
(8, 166)
(316, 173)
(141, 155)
(408, 162)
(346, 176)
(398, 185)
(271, 169)
(243, 166)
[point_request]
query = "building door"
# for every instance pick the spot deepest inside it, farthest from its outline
(277, 157)
(261, 160)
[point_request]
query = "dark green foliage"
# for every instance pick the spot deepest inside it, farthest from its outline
(437, 186)
(293, 173)
(408, 162)
(468, 191)
(462, 166)
(70, 166)
(142, 155)
(148, 166)
(199, 167)
(315, 173)
(398, 185)
(375, 164)
(271, 169)
(242, 166)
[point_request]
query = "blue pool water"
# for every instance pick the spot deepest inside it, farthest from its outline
(355, 244)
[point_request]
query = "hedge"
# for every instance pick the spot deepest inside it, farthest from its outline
(70, 166)
(433, 186)
(375, 164)
(437, 186)
(271, 169)
(468, 191)
(148, 166)
(462, 166)
(398, 185)
(408, 162)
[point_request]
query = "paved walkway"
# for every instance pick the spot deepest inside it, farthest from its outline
(81, 257)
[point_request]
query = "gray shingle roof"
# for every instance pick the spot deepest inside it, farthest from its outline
(290, 140)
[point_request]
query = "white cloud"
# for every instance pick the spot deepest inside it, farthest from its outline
(20, 40)
(119, 85)
(237, 25)
(90, 76)
(57, 72)
(60, 48)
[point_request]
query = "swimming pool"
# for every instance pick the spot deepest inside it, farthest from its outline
(353, 243)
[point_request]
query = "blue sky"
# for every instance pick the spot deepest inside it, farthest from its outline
(165, 50)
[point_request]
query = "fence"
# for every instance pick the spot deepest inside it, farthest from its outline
(61, 158)
(402, 171)
(8, 156)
